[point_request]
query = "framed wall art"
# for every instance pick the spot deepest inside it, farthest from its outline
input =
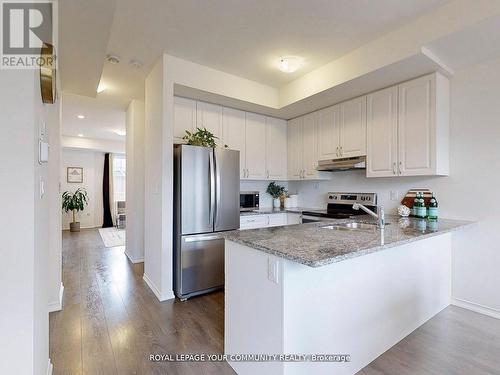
(74, 175)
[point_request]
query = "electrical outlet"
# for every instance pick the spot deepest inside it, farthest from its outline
(273, 270)
(394, 195)
(316, 185)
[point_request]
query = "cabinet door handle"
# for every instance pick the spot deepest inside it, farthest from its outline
(341, 152)
(267, 174)
(394, 168)
(399, 168)
(337, 152)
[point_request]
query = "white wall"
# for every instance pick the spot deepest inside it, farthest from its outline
(55, 218)
(92, 163)
(24, 228)
(469, 191)
(135, 181)
(158, 189)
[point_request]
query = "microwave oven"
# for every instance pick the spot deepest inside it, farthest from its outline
(249, 200)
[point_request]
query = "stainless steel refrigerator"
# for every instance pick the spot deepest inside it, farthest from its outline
(206, 203)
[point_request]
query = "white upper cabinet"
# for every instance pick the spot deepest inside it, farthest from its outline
(353, 128)
(295, 148)
(408, 129)
(209, 116)
(184, 117)
(255, 138)
(424, 126)
(328, 133)
(276, 149)
(233, 130)
(382, 133)
(303, 148)
(310, 145)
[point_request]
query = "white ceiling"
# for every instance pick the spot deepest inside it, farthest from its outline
(102, 117)
(245, 38)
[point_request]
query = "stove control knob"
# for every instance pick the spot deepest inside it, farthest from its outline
(330, 197)
(362, 198)
(368, 198)
(334, 197)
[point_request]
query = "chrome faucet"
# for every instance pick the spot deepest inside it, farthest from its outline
(380, 217)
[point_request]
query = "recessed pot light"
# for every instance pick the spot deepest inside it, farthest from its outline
(113, 59)
(81, 117)
(120, 132)
(80, 135)
(289, 64)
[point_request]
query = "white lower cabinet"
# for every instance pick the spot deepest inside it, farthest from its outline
(276, 220)
(263, 221)
(253, 221)
(293, 218)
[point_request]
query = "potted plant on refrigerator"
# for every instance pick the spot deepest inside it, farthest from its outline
(74, 202)
(275, 191)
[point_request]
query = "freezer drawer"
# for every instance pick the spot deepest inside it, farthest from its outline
(200, 264)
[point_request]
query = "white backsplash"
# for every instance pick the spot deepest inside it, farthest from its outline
(314, 193)
(261, 186)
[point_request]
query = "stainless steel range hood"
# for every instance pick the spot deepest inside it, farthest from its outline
(344, 164)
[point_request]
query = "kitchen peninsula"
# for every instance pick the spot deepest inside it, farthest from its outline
(345, 288)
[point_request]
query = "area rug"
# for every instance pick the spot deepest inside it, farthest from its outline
(112, 236)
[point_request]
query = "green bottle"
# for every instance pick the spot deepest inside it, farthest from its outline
(416, 202)
(433, 208)
(422, 210)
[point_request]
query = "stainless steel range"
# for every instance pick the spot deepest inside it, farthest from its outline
(340, 207)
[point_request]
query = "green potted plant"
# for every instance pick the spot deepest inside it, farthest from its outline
(275, 191)
(74, 202)
(201, 137)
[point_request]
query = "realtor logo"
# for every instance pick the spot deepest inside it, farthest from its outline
(25, 27)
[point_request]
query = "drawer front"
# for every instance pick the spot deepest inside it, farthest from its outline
(253, 221)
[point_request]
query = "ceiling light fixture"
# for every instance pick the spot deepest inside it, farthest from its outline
(101, 88)
(289, 64)
(120, 132)
(80, 135)
(113, 59)
(81, 117)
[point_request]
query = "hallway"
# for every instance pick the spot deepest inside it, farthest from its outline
(111, 322)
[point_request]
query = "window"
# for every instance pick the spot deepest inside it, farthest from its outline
(119, 177)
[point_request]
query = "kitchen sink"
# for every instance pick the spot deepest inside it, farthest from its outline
(351, 226)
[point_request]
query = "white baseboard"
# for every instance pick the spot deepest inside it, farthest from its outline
(57, 305)
(476, 307)
(161, 297)
(134, 260)
(50, 367)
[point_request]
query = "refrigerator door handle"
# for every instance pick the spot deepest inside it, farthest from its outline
(217, 189)
(211, 171)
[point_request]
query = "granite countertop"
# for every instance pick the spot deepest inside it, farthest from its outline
(271, 210)
(314, 246)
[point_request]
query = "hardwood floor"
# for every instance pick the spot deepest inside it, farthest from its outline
(112, 322)
(454, 342)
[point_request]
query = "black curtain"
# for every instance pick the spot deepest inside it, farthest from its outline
(107, 221)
